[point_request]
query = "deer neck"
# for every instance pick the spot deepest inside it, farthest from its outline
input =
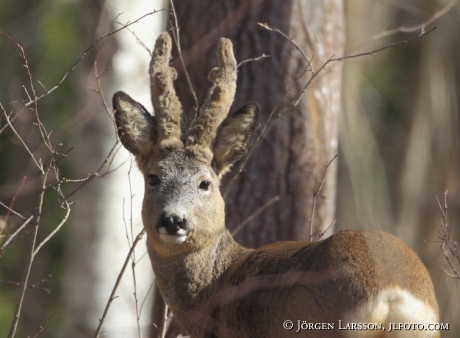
(189, 280)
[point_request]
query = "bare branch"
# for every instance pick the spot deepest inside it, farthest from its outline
(267, 27)
(138, 40)
(146, 296)
(59, 226)
(375, 51)
(255, 214)
(117, 283)
(280, 110)
(175, 33)
(42, 327)
(30, 259)
(11, 238)
(39, 165)
(41, 127)
(263, 56)
(133, 256)
(101, 94)
(419, 27)
(448, 247)
(315, 194)
(167, 320)
(31, 286)
(11, 210)
(82, 56)
(322, 233)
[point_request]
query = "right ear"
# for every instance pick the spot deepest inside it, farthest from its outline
(234, 136)
(137, 129)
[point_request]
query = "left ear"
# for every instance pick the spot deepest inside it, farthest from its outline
(234, 136)
(137, 129)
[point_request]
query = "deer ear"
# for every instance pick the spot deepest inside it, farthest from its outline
(137, 129)
(234, 136)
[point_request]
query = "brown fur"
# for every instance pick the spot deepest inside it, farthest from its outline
(215, 287)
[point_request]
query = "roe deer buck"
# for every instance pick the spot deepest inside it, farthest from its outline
(217, 288)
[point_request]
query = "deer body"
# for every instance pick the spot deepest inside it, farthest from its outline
(215, 287)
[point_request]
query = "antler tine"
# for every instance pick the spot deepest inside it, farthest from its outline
(166, 104)
(219, 100)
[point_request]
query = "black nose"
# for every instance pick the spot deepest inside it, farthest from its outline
(172, 224)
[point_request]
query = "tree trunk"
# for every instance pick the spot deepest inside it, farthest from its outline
(293, 154)
(98, 246)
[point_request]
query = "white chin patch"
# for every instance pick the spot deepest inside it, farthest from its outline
(178, 238)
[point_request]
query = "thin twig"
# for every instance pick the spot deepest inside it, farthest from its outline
(99, 91)
(11, 238)
(279, 110)
(30, 259)
(255, 214)
(448, 247)
(267, 27)
(322, 233)
(263, 56)
(167, 320)
(315, 194)
(41, 128)
(133, 256)
(87, 50)
(117, 283)
(85, 181)
(39, 166)
(59, 226)
(14, 199)
(263, 130)
(419, 27)
(11, 210)
(373, 52)
(146, 296)
(42, 327)
(138, 40)
(176, 37)
(31, 286)
(142, 256)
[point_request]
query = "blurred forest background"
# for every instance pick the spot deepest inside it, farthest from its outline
(398, 148)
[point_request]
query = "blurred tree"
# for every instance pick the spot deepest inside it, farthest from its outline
(108, 211)
(399, 145)
(48, 49)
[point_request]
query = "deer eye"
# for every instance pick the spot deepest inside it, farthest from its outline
(154, 180)
(205, 185)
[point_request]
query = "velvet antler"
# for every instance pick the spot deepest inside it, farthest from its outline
(217, 104)
(168, 109)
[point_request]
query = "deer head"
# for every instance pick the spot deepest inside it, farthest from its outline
(183, 209)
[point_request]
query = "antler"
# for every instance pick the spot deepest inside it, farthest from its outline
(218, 102)
(166, 104)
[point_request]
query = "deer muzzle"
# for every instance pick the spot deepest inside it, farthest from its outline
(173, 228)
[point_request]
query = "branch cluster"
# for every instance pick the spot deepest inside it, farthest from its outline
(448, 246)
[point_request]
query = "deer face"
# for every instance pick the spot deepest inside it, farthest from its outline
(183, 209)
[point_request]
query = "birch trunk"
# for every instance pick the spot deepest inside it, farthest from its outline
(98, 243)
